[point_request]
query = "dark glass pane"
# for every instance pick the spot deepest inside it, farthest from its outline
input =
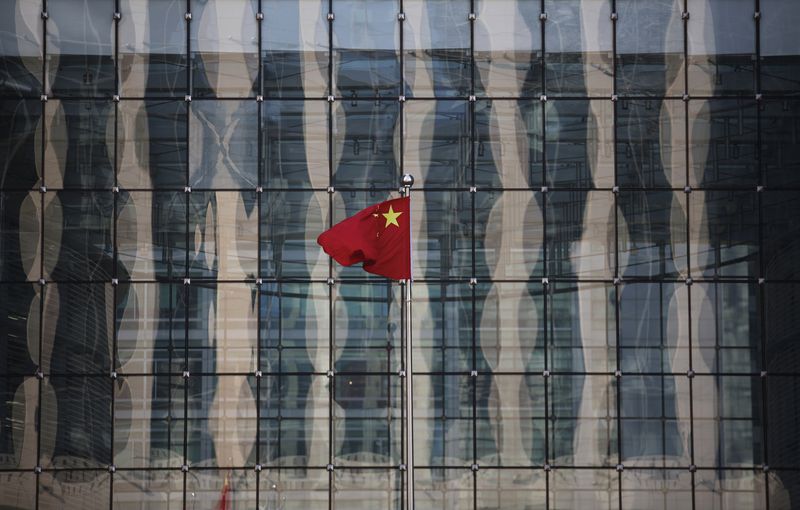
(295, 145)
(151, 144)
(20, 235)
(19, 403)
(580, 233)
(80, 48)
(78, 236)
(721, 45)
(20, 154)
(780, 68)
(436, 142)
(436, 41)
(649, 48)
(578, 40)
(442, 248)
(782, 327)
(780, 146)
(21, 49)
(364, 137)
(19, 327)
(723, 143)
(294, 48)
(366, 60)
(77, 329)
(291, 221)
(781, 251)
(152, 48)
(442, 327)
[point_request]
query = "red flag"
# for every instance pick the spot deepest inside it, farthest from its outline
(379, 236)
(223, 500)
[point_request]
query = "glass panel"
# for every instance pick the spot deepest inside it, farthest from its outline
(436, 41)
(507, 41)
(211, 489)
(721, 46)
(20, 154)
(442, 327)
(222, 327)
(726, 331)
(443, 488)
(581, 327)
(151, 235)
(650, 48)
(367, 415)
(19, 488)
(782, 326)
(295, 427)
(151, 328)
(651, 143)
(294, 48)
(19, 328)
(365, 134)
(224, 48)
(442, 235)
(780, 69)
(20, 236)
(780, 147)
(224, 144)
(294, 327)
(580, 143)
(510, 415)
(781, 252)
(723, 136)
(221, 420)
(80, 48)
(443, 412)
(366, 59)
(653, 331)
(305, 489)
(724, 233)
(656, 489)
(734, 490)
(151, 144)
(783, 411)
(78, 228)
(156, 490)
(19, 426)
(79, 152)
(290, 224)
(148, 421)
(509, 326)
(578, 39)
(584, 488)
(75, 490)
(655, 420)
(152, 48)
(21, 49)
(509, 489)
(295, 144)
(509, 234)
(583, 427)
(579, 228)
(78, 328)
(652, 233)
(508, 144)
(727, 424)
(367, 322)
(76, 424)
(436, 141)
(223, 234)
(363, 489)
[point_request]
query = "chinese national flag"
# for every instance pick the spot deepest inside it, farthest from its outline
(379, 236)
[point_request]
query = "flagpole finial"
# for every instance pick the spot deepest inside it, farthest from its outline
(408, 180)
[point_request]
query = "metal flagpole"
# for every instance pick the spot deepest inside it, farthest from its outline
(408, 181)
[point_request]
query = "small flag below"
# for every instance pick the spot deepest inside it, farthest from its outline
(378, 236)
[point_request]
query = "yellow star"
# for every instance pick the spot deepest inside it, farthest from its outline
(391, 217)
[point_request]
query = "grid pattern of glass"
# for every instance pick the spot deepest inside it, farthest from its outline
(606, 255)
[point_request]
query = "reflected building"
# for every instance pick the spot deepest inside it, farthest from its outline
(605, 294)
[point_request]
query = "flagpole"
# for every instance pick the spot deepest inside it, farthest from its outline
(408, 181)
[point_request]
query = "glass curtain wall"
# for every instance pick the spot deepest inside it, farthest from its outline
(606, 255)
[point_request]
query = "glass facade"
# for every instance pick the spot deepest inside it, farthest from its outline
(607, 268)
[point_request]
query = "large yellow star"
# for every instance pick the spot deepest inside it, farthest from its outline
(391, 217)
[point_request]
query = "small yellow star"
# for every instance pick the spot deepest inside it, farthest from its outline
(391, 217)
